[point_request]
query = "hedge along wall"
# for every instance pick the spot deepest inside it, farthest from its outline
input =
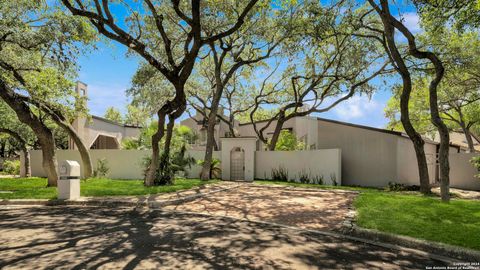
(324, 163)
(123, 164)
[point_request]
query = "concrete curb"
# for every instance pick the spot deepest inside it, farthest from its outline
(461, 253)
(92, 201)
(442, 258)
(187, 198)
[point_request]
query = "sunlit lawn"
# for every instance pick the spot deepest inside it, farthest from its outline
(411, 214)
(35, 188)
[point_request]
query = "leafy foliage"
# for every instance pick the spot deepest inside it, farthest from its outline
(476, 162)
(102, 169)
(392, 186)
(11, 167)
(215, 169)
(168, 167)
(280, 174)
(288, 142)
(114, 115)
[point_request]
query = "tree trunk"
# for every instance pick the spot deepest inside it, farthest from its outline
(169, 135)
(43, 133)
(418, 145)
(402, 69)
(26, 165)
(82, 149)
(276, 133)
(212, 117)
(165, 169)
(442, 128)
(2, 149)
(49, 161)
(154, 162)
(468, 137)
(173, 109)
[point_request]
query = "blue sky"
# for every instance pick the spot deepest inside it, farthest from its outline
(108, 72)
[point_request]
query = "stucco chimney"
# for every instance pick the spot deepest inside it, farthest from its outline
(80, 121)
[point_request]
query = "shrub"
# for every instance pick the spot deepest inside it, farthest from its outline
(333, 178)
(11, 167)
(165, 174)
(215, 169)
(304, 177)
(392, 186)
(317, 179)
(180, 161)
(280, 174)
(102, 168)
(476, 162)
(169, 166)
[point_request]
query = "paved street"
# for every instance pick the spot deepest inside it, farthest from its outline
(92, 237)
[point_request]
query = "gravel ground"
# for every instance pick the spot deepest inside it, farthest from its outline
(315, 209)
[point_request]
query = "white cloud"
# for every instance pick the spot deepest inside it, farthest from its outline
(412, 21)
(357, 107)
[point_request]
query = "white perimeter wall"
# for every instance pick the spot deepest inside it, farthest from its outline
(462, 171)
(407, 166)
(325, 162)
(123, 164)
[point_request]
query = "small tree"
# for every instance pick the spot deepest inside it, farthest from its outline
(114, 115)
(287, 141)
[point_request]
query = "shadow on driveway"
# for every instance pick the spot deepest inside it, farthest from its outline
(93, 237)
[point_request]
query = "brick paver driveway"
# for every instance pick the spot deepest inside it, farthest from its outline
(76, 237)
(311, 209)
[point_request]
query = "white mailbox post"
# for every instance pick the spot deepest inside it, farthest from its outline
(69, 183)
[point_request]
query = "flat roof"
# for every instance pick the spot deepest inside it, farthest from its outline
(345, 124)
(393, 132)
(113, 122)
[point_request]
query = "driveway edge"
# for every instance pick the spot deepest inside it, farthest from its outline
(461, 253)
(293, 188)
(340, 235)
(115, 202)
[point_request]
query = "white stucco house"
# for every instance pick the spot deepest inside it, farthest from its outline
(369, 156)
(98, 132)
(337, 152)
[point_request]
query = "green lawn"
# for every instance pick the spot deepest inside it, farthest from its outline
(35, 188)
(425, 217)
(455, 223)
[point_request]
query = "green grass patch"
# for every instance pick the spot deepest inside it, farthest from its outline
(455, 223)
(412, 214)
(35, 188)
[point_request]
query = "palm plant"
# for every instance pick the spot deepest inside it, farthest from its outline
(215, 169)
